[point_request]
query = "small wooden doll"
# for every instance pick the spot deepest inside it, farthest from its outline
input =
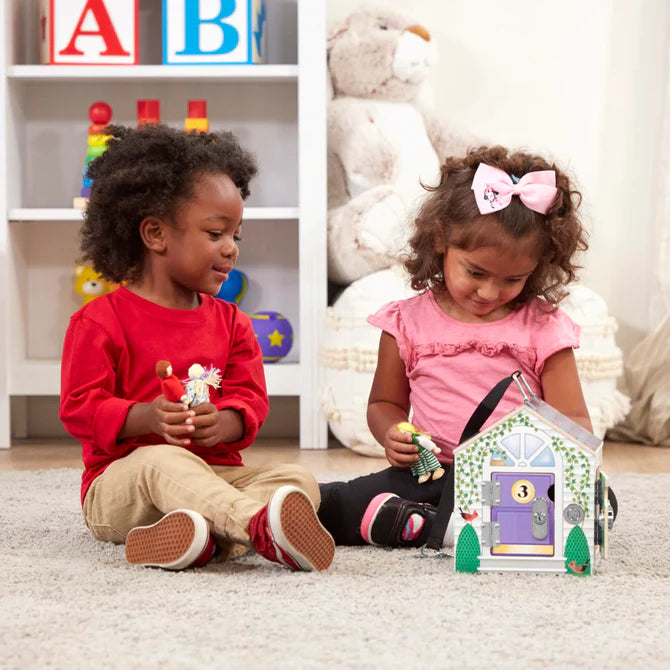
(198, 383)
(171, 387)
(427, 466)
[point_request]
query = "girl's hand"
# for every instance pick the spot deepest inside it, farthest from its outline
(400, 452)
(171, 420)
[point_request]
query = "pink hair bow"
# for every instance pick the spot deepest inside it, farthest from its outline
(494, 189)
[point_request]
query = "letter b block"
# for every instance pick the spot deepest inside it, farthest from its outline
(213, 32)
(89, 32)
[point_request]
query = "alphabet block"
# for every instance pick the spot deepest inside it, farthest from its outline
(213, 32)
(89, 32)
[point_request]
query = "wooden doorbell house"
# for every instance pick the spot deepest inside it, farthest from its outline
(529, 495)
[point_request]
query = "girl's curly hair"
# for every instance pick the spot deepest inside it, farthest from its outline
(449, 217)
(149, 171)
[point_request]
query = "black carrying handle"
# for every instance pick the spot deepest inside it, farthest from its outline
(473, 426)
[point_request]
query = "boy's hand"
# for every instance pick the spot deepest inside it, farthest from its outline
(400, 452)
(205, 425)
(213, 426)
(171, 420)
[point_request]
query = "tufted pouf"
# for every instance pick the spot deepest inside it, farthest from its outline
(349, 356)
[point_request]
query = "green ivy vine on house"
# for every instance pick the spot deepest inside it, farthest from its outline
(574, 463)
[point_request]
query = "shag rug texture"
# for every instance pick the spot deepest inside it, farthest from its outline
(68, 601)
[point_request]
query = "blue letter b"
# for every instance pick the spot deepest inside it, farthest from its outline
(192, 23)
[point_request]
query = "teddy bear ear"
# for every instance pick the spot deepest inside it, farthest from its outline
(78, 270)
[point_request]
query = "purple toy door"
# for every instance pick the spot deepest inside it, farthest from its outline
(525, 514)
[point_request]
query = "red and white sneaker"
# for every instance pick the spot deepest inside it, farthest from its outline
(181, 539)
(288, 531)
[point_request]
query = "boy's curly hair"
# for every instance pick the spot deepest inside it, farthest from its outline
(149, 171)
(449, 217)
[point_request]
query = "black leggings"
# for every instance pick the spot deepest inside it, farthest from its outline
(344, 503)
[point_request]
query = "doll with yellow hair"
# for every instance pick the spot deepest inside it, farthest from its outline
(427, 467)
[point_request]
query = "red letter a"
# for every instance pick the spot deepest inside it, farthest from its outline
(105, 30)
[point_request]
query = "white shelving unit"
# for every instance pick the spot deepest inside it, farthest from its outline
(277, 111)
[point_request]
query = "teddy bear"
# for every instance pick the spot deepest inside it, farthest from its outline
(90, 284)
(383, 140)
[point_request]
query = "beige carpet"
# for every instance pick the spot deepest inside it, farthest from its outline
(67, 601)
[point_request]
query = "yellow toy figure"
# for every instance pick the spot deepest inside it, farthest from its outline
(427, 466)
(90, 284)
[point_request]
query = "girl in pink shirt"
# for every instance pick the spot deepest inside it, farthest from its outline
(492, 250)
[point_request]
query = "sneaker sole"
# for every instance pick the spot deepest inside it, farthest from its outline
(371, 514)
(298, 532)
(173, 543)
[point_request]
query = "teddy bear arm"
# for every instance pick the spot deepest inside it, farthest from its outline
(367, 157)
(446, 141)
(337, 183)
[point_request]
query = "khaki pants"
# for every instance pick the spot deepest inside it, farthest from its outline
(151, 481)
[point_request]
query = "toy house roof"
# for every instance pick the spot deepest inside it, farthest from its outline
(561, 423)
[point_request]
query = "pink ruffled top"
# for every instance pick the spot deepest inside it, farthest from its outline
(452, 365)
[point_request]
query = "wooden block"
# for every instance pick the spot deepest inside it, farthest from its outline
(201, 125)
(79, 203)
(89, 32)
(213, 32)
(148, 112)
(98, 140)
(94, 151)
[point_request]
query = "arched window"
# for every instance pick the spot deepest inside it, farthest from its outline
(525, 447)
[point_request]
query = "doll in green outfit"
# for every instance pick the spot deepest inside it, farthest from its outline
(427, 467)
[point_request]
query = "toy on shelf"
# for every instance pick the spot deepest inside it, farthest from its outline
(198, 383)
(196, 118)
(89, 32)
(171, 387)
(90, 284)
(234, 288)
(100, 114)
(531, 494)
(148, 112)
(427, 467)
(196, 35)
(274, 334)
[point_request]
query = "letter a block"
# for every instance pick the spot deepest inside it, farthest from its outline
(89, 32)
(213, 32)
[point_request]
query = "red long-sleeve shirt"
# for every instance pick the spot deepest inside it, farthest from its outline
(109, 358)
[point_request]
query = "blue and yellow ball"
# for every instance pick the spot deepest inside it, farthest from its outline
(274, 334)
(234, 288)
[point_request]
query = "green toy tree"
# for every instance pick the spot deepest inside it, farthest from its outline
(467, 550)
(577, 555)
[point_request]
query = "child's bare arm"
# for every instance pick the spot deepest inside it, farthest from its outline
(562, 389)
(388, 405)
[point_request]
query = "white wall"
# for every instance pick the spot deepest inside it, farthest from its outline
(580, 82)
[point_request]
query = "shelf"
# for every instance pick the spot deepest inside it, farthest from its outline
(42, 378)
(93, 73)
(278, 112)
(65, 214)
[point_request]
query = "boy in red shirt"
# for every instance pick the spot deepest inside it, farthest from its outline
(163, 219)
